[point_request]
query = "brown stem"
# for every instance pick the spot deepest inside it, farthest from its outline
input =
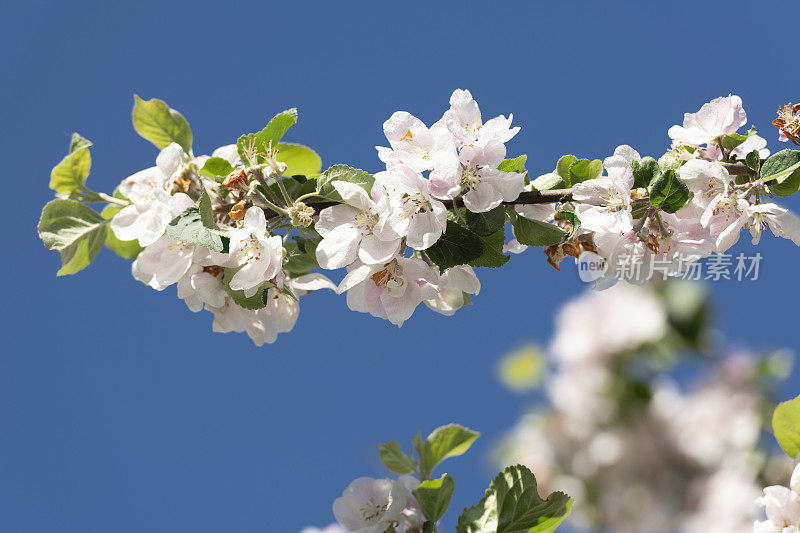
(526, 198)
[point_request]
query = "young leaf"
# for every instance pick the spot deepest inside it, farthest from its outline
(446, 441)
(563, 166)
(668, 192)
(394, 458)
(156, 122)
(485, 224)
(193, 225)
(514, 165)
(457, 246)
(271, 134)
(71, 173)
(513, 505)
(753, 160)
(299, 159)
(786, 425)
(434, 495)
(537, 233)
(644, 171)
(546, 182)
(325, 187)
(216, 167)
(732, 140)
(299, 259)
(76, 231)
(584, 170)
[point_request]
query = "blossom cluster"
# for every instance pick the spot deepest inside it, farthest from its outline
(244, 232)
(614, 413)
(782, 506)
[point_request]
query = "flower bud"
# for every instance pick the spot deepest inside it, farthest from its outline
(301, 214)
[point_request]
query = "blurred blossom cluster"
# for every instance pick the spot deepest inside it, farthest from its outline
(651, 423)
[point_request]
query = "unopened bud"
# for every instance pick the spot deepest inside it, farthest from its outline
(301, 214)
(238, 210)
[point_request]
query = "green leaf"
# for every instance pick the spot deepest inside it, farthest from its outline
(457, 246)
(126, 249)
(271, 134)
(300, 256)
(563, 166)
(255, 302)
(668, 192)
(434, 495)
(583, 170)
(193, 225)
(492, 255)
(513, 505)
(786, 425)
(789, 185)
(299, 159)
(216, 167)
(644, 171)
(429, 527)
(156, 122)
(514, 165)
(446, 441)
(537, 233)
(76, 231)
(485, 224)
(732, 140)
(70, 174)
(781, 165)
(394, 458)
(325, 187)
(753, 160)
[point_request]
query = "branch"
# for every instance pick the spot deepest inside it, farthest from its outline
(525, 198)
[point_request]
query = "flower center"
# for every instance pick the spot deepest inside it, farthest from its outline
(413, 204)
(470, 177)
(372, 511)
(365, 221)
(615, 201)
(250, 249)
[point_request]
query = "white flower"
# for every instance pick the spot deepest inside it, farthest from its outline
(463, 119)
(413, 212)
(262, 325)
(392, 290)
(356, 229)
(370, 505)
(707, 180)
(259, 255)
(152, 208)
(782, 506)
(725, 216)
(163, 263)
(721, 116)
(200, 287)
(415, 145)
(483, 185)
(605, 202)
(780, 220)
(455, 286)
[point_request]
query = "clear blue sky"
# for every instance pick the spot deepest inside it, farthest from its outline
(122, 412)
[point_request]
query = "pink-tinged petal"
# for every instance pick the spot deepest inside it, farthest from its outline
(355, 277)
(424, 230)
(338, 248)
(335, 216)
(483, 198)
(180, 202)
(373, 250)
(508, 184)
(400, 124)
(353, 194)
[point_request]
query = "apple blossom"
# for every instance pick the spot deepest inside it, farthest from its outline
(411, 211)
(370, 505)
(782, 506)
(455, 286)
(392, 290)
(258, 254)
(415, 145)
(463, 119)
(357, 229)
